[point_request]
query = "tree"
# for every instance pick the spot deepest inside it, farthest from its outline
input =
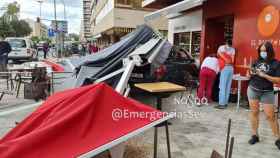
(74, 36)
(5, 28)
(10, 25)
(12, 12)
(21, 28)
(35, 39)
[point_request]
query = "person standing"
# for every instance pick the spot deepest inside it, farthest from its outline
(209, 70)
(226, 53)
(5, 49)
(83, 49)
(264, 73)
(45, 49)
(93, 48)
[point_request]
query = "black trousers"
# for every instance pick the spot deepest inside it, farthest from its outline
(45, 54)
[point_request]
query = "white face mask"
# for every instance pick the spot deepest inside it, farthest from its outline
(263, 54)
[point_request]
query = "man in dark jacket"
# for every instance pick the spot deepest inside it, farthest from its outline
(5, 49)
(45, 49)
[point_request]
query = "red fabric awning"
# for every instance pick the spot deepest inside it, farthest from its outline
(56, 67)
(73, 122)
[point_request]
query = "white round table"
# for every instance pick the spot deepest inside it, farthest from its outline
(239, 79)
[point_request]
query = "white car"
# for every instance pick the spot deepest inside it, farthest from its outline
(22, 49)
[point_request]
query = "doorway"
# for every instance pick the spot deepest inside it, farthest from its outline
(217, 31)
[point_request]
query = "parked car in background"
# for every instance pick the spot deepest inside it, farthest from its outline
(40, 45)
(75, 48)
(22, 49)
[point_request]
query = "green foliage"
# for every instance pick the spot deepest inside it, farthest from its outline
(46, 39)
(12, 12)
(35, 39)
(21, 28)
(10, 26)
(74, 36)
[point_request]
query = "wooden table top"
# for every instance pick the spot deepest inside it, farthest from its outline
(157, 87)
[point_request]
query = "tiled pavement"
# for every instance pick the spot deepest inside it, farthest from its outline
(11, 100)
(193, 137)
(196, 137)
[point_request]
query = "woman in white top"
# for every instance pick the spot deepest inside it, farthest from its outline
(207, 76)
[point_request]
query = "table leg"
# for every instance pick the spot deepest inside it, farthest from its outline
(18, 88)
(277, 104)
(2, 95)
(8, 87)
(239, 95)
(12, 83)
(159, 103)
(167, 139)
(155, 142)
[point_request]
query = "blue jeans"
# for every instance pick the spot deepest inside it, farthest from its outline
(225, 85)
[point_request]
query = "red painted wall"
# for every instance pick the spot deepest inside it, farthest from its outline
(246, 35)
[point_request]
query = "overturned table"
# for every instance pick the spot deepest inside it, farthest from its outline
(161, 90)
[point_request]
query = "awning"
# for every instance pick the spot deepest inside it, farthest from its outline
(174, 9)
(77, 121)
(97, 36)
(147, 2)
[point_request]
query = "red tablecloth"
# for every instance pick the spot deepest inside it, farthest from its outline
(73, 122)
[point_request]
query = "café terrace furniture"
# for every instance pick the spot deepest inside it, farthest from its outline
(239, 79)
(8, 78)
(22, 74)
(161, 90)
(8, 90)
(229, 145)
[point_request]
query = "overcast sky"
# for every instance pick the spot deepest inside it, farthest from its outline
(31, 9)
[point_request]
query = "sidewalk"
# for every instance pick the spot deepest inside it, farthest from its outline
(11, 100)
(191, 137)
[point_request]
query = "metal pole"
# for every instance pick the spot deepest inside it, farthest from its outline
(40, 2)
(64, 9)
(40, 9)
(63, 37)
(56, 29)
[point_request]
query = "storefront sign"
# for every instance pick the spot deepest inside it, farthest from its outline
(268, 24)
(180, 28)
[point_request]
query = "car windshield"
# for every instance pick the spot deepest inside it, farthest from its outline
(17, 43)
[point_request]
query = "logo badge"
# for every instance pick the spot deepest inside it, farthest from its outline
(268, 21)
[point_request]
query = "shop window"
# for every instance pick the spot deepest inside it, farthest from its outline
(195, 47)
(190, 41)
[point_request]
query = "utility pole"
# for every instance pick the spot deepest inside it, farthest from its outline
(40, 1)
(63, 33)
(56, 29)
(65, 18)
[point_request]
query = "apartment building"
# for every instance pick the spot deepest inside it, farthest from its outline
(38, 29)
(113, 19)
(85, 30)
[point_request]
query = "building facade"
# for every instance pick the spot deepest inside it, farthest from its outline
(247, 24)
(38, 29)
(85, 29)
(113, 19)
(184, 27)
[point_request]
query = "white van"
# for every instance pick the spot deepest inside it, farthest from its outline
(22, 49)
